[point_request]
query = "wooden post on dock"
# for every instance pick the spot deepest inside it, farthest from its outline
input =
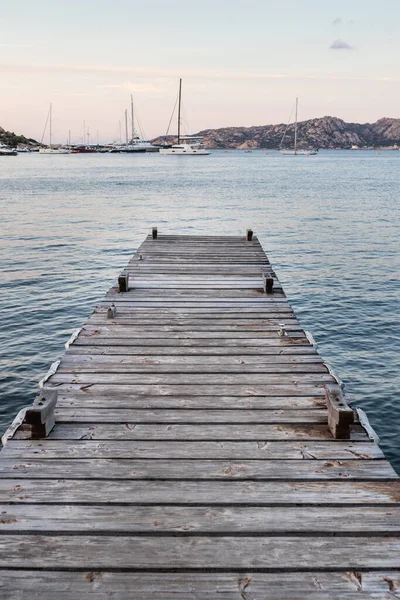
(40, 416)
(340, 415)
(249, 235)
(123, 282)
(154, 233)
(268, 283)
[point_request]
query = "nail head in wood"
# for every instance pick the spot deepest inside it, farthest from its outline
(123, 282)
(340, 415)
(155, 233)
(111, 311)
(268, 284)
(249, 235)
(40, 416)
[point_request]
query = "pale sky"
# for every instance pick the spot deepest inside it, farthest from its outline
(243, 62)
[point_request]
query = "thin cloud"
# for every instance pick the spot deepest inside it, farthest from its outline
(162, 75)
(337, 21)
(341, 45)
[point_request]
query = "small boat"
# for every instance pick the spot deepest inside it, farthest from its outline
(191, 145)
(7, 151)
(50, 149)
(83, 150)
(296, 151)
(135, 144)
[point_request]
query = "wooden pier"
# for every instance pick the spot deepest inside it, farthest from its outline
(201, 449)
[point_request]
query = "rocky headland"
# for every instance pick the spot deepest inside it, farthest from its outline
(326, 132)
(9, 138)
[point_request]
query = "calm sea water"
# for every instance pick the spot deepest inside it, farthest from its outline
(328, 223)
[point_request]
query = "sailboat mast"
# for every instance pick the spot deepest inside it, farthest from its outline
(126, 126)
(133, 122)
(50, 125)
(295, 127)
(179, 111)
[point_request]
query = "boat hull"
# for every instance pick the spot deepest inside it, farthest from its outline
(170, 151)
(298, 152)
(53, 151)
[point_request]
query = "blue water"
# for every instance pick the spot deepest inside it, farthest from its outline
(328, 223)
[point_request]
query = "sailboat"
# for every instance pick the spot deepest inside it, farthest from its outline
(191, 145)
(50, 149)
(135, 144)
(296, 151)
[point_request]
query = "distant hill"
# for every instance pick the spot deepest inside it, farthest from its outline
(11, 139)
(327, 132)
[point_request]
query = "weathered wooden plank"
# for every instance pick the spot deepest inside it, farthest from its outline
(35, 467)
(221, 520)
(247, 585)
(201, 312)
(178, 293)
(326, 492)
(131, 299)
(190, 369)
(295, 389)
(115, 415)
(187, 379)
(222, 350)
(260, 450)
(185, 432)
(236, 342)
(129, 326)
(132, 320)
(120, 332)
(243, 361)
(120, 400)
(123, 552)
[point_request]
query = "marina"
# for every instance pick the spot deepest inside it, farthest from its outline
(201, 447)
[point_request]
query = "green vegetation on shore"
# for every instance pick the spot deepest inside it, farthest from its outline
(9, 138)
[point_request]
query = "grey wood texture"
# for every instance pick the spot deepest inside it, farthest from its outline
(228, 469)
(225, 520)
(244, 585)
(201, 552)
(216, 492)
(244, 417)
(192, 439)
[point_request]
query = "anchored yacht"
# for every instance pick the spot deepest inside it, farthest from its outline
(50, 149)
(296, 151)
(188, 145)
(6, 151)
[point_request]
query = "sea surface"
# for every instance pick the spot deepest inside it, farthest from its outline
(329, 224)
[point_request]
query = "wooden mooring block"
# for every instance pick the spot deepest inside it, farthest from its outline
(40, 416)
(123, 282)
(154, 233)
(111, 311)
(340, 415)
(268, 284)
(249, 235)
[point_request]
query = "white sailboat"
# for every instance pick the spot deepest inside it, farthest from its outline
(296, 151)
(50, 149)
(135, 144)
(191, 145)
